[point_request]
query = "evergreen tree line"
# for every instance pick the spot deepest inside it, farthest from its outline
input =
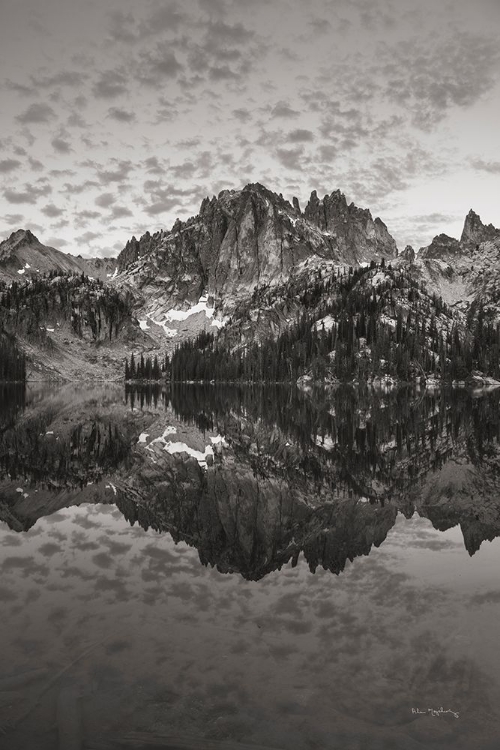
(12, 360)
(84, 302)
(390, 328)
(147, 368)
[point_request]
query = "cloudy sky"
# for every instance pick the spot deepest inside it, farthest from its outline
(117, 117)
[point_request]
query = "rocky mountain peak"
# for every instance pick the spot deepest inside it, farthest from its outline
(22, 236)
(359, 236)
(442, 247)
(475, 232)
(408, 254)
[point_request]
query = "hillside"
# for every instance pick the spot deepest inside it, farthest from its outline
(69, 326)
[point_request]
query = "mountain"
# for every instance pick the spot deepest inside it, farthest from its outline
(325, 285)
(242, 240)
(23, 255)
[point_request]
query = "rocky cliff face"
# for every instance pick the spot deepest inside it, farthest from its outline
(358, 237)
(248, 238)
(23, 255)
(475, 232)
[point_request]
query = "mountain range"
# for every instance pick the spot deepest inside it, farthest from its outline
(244, 268)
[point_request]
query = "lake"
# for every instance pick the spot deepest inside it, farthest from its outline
(228, 568)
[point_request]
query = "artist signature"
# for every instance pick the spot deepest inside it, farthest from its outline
(435, 712)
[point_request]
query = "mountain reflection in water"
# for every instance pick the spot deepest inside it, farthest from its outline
(249, 481)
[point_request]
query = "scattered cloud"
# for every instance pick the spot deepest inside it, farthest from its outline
(30, 194)
(300, 135)
(56, 242)
(105, 200)
(52, 211)
(110, 85)
(37, 112)
(283, 109)
(121, 115)
(119, 212)
(290, 157)
(61, 146)
(493, 167)
(430, 78)
(9, 165)
(118, 171)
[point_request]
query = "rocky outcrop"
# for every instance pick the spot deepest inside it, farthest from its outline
(475, 232)
(408, 254)
(442, 247)
(357, 235)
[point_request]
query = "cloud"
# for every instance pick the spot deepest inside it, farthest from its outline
(300, 136)
(222, 73)
(9, 165)
(111, 84)
(153, 166)
(76, 189)
(73, 78)
(36, 113)
(36, 164)
(290, 157)
(56, 242)
(30, 194)
(118, 212)
(118, 173)
(85, 238)
(121, 115)
(155, 66)
(221, 33)
(165, 17)
(429, 79)
(163, 206)
(12, 219)
(82, 218)
(493, 167)
(242, 114)
(283, 109)
(327, 153)
(52, 211)
(105, 200)
(61, 146)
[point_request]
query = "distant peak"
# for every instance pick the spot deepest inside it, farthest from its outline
(22, 236)
(475, 232)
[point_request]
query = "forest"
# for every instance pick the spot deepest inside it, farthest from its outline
(354, 327)
(78, 299)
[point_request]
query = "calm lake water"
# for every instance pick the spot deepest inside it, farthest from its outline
(249, 568)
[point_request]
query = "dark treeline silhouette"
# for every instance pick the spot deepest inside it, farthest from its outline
(354, 327)
(146, 368)
(12, 360)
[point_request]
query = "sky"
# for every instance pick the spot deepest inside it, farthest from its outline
(118, 117)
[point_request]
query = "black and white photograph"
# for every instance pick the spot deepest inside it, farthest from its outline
(249, 375)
